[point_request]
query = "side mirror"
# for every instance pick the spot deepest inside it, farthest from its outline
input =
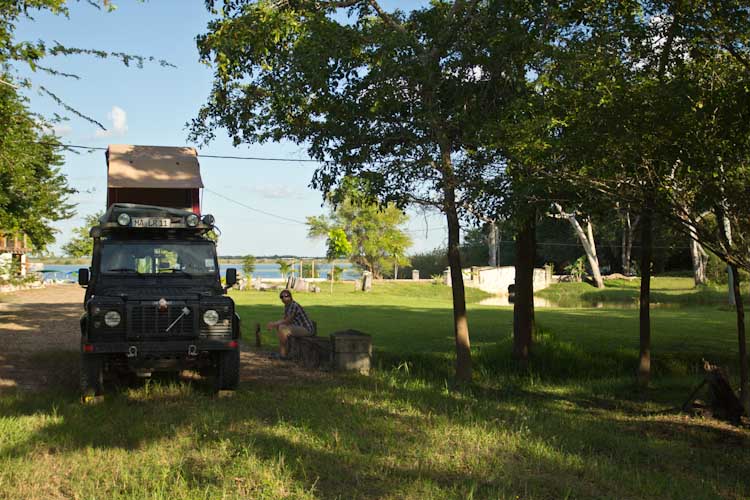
(231, 277)
(83, 276)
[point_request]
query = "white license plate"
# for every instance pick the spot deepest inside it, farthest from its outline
(150, 222)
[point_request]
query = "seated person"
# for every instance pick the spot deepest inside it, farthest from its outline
(294, 323)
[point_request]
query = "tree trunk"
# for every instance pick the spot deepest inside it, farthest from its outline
(460, 319)
(740, 309)
(593, 258)
(730, 274)
(628, 232)
(492, 245)
(587, 240)
(644, 366)
(523, 306)
(699, 258)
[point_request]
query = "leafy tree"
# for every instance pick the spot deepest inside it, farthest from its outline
(248, 265)
(33, 192)
(285, 267)
(81, 244)
(375, 238)
(401, 100)
(337, 247)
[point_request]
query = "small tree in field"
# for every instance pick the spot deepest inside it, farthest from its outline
(284, 268)
(248, 266)
(338, 247)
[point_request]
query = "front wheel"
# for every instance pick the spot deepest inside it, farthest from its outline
(227, 370)
(92, 375)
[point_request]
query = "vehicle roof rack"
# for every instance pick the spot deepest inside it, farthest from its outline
(131, 216)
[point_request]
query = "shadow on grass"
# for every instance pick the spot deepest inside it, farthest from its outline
(389, 436)
(404, 432)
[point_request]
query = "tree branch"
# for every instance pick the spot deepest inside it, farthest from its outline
(71, 109)
(387, 18)
(733, 52)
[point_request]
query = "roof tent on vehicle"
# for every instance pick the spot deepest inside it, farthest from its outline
(154, 175)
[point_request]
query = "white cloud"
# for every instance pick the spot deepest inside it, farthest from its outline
(119, 119)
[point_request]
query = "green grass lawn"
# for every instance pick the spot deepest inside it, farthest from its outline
(571, 426)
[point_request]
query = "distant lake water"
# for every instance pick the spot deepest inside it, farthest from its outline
(266, 271)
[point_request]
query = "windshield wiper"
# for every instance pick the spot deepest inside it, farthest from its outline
(122, 270)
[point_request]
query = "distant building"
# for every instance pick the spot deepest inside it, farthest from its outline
(13, 254)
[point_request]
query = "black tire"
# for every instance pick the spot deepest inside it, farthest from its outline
(92, 375)
(227, 370)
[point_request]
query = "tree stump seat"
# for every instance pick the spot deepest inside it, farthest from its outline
(348, 350)
(312, 352)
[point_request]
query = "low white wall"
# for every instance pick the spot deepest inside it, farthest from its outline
(497, 279)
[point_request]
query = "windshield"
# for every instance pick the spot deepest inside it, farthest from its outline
(155, 257)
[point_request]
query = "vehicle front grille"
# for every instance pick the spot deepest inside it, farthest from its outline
(145, 320)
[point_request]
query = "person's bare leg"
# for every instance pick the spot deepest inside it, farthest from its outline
(283, 332)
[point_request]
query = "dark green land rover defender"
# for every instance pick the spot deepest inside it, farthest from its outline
(154, 299)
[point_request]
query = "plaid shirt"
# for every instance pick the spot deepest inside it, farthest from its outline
(298, 316)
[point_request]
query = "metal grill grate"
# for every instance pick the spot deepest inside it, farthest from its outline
(147, 320)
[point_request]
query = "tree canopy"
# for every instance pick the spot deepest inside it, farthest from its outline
(401, 100)
(33, 191)
(82, 244)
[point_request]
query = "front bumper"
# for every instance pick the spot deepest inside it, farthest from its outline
(174, 347)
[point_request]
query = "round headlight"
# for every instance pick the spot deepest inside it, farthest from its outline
(208, 219)
(112, 318)
(210, 317)
(123, 219)
(192, 220)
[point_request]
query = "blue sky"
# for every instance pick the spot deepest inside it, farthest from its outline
(151, 105)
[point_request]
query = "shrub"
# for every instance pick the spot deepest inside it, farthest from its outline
(577, 269)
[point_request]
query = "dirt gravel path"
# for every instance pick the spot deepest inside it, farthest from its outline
(40, 336)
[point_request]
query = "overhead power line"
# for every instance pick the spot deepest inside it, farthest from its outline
(200, 155)
(303, 160)
(248, 207)
(254, 209)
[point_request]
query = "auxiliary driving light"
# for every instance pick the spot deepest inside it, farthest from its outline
(123, 219)
(112, 319)
(210, 317)
(192, 220)
(208, 219)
